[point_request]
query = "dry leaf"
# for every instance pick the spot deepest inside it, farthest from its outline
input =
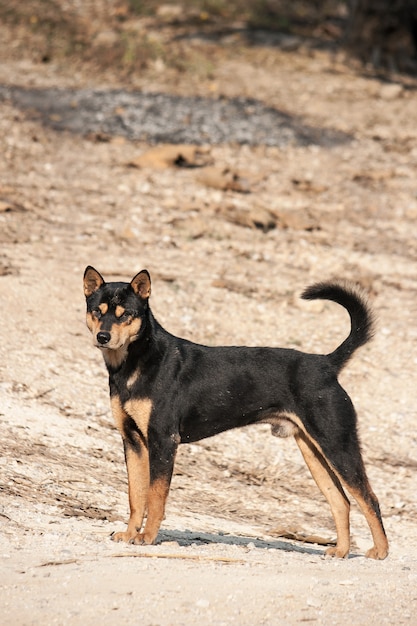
(7, 206)
(297, 220)
(308, 186)
(368, 176)
(181, 155)
(225, 179)
(6, 269)
(256, 217)
(232, 285)
(191, 227)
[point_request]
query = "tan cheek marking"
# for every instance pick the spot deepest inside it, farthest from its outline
(140, 411)
(92, 323)
(89, 320)
(129, 332)
(134, 327)
(119, 311)
(103, 308)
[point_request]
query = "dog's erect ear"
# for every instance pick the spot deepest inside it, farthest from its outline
(141, 284)
(92, 280)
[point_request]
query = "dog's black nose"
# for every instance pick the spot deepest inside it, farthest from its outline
(103, 337)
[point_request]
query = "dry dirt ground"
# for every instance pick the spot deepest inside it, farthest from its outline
(228, 261)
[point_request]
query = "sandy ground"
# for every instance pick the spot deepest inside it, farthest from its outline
(348, 211)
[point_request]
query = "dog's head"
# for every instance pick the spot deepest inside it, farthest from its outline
(115, 311)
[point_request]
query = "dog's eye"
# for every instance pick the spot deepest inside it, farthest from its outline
(127, 317)
(96, 313)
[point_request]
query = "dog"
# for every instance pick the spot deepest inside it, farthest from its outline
(165, 390)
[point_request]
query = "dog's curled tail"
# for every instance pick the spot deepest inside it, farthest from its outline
(361, 317)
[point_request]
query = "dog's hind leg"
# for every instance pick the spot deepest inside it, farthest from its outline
(369, 505)
(331, 488)
(344, 461)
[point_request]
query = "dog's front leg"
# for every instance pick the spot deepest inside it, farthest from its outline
(162, 452)
(138, 474)
(137, 463)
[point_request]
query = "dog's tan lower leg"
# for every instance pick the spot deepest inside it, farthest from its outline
(331, 488)
(370, 509)
(138, 477)
(157, 495)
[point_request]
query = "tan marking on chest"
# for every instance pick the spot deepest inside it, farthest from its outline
(132, 379)
(93, 324)
(119, 311)
(119, 414)
(140, 412)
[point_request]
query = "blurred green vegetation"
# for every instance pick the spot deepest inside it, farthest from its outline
(266, 14)
(381, 33)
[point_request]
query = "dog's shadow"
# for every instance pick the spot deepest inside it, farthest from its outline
(186, 538)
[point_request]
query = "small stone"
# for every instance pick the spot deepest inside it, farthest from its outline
(202, 603)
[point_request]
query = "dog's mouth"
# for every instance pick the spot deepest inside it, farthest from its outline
(109, 345)
(114, 345)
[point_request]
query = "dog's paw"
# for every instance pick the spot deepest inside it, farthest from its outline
(338, 553)
(125, 536)
(143, 539)
(375, 553)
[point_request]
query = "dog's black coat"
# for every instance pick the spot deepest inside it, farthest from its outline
(166, 390)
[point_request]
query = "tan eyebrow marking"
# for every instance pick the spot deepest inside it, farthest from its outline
(119, 311)
(103, 308)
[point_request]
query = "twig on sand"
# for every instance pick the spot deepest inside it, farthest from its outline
(185, 557)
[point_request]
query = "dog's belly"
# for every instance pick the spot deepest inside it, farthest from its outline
(197, 427)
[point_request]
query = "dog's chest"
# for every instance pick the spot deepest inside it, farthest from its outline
(126, 384)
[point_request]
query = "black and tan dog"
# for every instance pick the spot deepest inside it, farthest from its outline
(165, 391)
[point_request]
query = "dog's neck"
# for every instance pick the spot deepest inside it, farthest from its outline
(114, 359)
